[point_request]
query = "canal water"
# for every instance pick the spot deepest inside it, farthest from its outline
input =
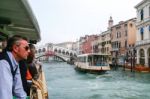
(66, 83)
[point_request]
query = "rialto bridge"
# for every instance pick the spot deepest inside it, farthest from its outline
(49, 50)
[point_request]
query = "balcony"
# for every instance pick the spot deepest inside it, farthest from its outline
(143, 21)
(115, 49)
(143, 42)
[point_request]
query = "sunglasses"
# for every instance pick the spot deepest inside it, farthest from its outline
(26, 48)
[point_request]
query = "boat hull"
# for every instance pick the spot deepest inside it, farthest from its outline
(92, 71)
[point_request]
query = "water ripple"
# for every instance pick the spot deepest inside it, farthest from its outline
(65, 83)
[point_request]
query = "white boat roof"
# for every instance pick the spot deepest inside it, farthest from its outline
(16, 17)
(92, 54)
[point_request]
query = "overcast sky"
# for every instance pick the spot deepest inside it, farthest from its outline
(68, 20)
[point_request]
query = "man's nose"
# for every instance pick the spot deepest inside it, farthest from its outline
(29, 51)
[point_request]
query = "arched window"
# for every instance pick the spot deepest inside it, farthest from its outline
(71, 54)
(142, 33)
(63, 52)
(67, 53)
(142, 53)
(142, 56)
(59, 51)
(55, 50)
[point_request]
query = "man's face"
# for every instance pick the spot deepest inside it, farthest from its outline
(22, 50)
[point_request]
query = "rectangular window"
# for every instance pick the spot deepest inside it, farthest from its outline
(142, 33)
(107, 49)
(125, 32)
(142, 14)
(116, 35)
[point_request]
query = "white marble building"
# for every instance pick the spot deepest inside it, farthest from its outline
(143, 33)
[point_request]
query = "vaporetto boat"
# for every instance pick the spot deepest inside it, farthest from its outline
(17, 18)
(92, 63)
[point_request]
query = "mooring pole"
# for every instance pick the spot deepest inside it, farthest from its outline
(131, 62)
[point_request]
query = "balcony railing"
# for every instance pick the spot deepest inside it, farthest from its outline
(114, 49)
(143, 42)
(143, 21)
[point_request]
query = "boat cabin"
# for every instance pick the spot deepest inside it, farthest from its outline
(94, 59)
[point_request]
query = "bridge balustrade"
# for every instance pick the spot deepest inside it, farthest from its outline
(64, 53)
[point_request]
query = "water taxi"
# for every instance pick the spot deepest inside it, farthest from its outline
(17, 18)
(92, 63)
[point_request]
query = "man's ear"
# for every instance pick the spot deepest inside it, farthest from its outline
(15, 48)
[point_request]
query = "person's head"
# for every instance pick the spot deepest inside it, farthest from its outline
(19, 47)
(31, 55)
(4, 43)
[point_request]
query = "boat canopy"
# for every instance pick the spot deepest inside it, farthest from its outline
(92, 54)
(16, 17)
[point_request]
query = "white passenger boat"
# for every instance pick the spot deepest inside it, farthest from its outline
(92, 63)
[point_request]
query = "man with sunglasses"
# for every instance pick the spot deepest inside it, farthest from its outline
(11, 85)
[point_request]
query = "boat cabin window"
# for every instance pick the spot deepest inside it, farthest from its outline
(98, 60)
(94, 60)
(82, 59)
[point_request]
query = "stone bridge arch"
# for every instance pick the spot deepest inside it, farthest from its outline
(56, 49)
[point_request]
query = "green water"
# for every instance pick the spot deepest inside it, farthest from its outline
(66, 83)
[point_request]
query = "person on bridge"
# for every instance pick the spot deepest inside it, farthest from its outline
(10, 80)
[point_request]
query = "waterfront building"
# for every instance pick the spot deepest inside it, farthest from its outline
(81, 40)
(123, 37)
(143, 33)
(86, 45)
(103, 44)
(95, 45)
(75, 47)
